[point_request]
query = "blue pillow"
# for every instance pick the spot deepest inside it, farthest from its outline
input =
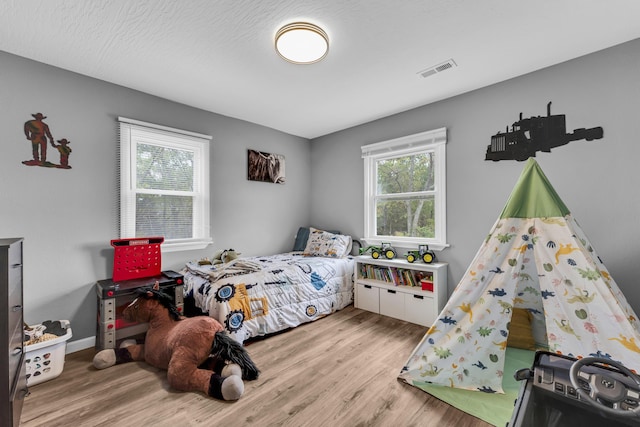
(301, 239)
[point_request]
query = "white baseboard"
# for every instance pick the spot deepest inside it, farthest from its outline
(83, 344)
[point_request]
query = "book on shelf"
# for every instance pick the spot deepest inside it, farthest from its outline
(397, 276)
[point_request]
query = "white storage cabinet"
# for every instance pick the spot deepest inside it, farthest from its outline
(384, 286)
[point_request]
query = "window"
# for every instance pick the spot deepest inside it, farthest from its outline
(405, 202)
(164, 185)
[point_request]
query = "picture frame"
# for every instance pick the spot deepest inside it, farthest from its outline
(265, 167)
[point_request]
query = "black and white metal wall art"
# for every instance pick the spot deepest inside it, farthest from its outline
(528, 136)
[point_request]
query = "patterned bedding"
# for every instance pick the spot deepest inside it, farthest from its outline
(261, 295)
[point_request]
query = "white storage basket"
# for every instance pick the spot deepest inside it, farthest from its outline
(45, 360)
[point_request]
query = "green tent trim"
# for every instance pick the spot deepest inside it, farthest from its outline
(533, 196)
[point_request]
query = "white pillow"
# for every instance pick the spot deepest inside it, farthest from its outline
(323, 243)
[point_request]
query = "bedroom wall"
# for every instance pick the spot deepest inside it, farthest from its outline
(68, 217)
(597, 180)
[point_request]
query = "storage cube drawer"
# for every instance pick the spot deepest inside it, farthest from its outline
(419, 309)
(392, 303)
(368, 298)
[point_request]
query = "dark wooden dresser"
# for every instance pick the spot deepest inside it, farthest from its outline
(13, 380)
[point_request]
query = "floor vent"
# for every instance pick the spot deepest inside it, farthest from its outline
(438, 68)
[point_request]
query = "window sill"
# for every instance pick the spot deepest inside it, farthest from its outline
(185, 245)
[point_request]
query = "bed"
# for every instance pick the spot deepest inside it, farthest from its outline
(258, 296)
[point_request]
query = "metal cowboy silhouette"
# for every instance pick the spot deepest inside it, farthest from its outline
(37, 132)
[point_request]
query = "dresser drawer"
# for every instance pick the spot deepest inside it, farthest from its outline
(14, 309)
(16, 353)
(18, 392)
(14, 284)
(14, 276)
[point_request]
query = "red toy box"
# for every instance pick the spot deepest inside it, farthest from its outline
(136, 258)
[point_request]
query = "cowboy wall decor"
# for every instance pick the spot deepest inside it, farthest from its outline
(38, 132)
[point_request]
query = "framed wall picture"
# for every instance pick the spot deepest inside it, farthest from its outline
(265, 167)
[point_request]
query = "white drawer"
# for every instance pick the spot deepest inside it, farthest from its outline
(368, 298)
(419, 309)
(392, 303)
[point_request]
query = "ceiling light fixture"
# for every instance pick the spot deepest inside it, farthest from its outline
(302, 43)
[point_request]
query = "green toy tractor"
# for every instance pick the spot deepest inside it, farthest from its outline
(385, 250)
(422, 253)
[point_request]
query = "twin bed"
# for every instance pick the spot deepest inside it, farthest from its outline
(257, 296)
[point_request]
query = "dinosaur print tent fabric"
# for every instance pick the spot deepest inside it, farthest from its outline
(536, 257)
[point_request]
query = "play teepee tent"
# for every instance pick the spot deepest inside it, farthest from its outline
(536, 260)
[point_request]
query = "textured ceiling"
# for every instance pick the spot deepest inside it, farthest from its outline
(218, 55)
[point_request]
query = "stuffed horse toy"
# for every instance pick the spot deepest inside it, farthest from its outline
(196, 352)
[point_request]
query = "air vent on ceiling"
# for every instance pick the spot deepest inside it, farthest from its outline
(438, 68)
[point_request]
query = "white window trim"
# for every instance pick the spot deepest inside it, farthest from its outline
(430, 140)
(177, 137)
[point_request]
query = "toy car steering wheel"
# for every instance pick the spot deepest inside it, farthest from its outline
(604, 387)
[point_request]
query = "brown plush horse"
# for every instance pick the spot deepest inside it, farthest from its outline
(195, 351)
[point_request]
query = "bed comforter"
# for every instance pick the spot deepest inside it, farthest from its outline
(261, 295)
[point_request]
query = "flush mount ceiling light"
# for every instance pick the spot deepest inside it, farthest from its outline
(302, 43)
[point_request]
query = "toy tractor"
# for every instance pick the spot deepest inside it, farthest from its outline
(423, 253)
(377, 251)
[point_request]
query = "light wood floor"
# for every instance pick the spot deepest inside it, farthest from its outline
(337, 371)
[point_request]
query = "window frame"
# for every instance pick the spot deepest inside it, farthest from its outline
(419, 143)
(132, 132)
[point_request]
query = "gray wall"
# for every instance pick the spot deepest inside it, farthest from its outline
(68, 217)
(597, 180)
